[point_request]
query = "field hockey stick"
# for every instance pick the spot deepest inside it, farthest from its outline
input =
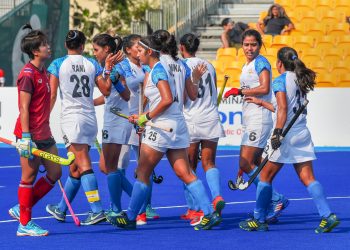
(245, 185)
(222, 89)
(149, 123)
(75, 218)
(45, 155)
(156, 179)
(97, 145)
(239, 180)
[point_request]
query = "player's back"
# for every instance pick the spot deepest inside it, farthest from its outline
(205, 105)
(77, 75)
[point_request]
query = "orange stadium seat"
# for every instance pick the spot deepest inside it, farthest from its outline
(339, 30)
(304, 42)
(344, 81)
(326, 80)
(282, 41)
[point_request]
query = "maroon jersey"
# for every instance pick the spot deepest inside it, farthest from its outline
(35, 82)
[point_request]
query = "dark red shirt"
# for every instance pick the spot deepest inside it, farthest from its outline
(35, 82)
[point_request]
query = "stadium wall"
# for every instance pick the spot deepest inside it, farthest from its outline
(328, 117)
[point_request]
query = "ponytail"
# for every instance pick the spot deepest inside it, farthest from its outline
(168, 41)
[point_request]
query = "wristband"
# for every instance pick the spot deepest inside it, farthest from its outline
(148, 117)
(119, 87)
(26, 135)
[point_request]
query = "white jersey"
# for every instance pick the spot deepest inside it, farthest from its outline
(77, 75)
(297, 146)
(252, 113)
(205, 106)
(180, 73)
(172, 117)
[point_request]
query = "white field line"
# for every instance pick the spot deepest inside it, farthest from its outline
(180, 206)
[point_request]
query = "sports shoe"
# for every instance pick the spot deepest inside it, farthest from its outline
(14, 212)
(252, 224)
(197, 218)
(276, 210)
(327, 224)
(188, 215)
(218, 204)
(209, 221)
(151, 213)
(141, 219)
(93, 218)
(110, 213)
(56, 212)
(122, 221)
(31, 229)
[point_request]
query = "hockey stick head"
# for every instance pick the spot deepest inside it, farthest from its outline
(243, 186)
(70, 159)
(232, 185)
(158, 179)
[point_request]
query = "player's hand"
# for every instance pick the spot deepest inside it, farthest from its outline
(234, 92)
(198, 71)
(133, 119)
(138, 129)
(253, 99)
(276, 138)
(24, 146)
(113, 59)
(142, 120)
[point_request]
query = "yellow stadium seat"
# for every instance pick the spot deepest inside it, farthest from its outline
(219, 52)
(240, 55)
(316, 29)
(320, 67)
(344, 81)
(218, 65)
(333, 54)
(272, 59)
(269, 51)
(344, 42)
(342, 5)
(340, 68)
(302, 5)
(309, 60)
(235, 65)
(326, 80)
(230, 51)
(344, 9)
(309, 20)
(267, 40)
(226, 59)
(333, 17)
(339, 30)
(304, 42)
(262, 15)
(324, 5)
(325, 42)
(282, 41)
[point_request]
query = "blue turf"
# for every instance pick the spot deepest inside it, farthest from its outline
(294, 231)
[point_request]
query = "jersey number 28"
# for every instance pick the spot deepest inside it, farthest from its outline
(84, 80)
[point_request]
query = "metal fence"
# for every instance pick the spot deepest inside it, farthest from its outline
(7, 5)
(176, 16)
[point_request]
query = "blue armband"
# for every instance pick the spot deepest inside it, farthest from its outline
(119, 87)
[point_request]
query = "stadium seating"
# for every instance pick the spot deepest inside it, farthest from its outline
(321, 37)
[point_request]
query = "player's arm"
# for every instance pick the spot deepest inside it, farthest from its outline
(125, 94)
(262, 103)
(263, 88)
(191, 83)
(54, 81)
(260, 26)
(282, 109)
(103, 81)
(99, 100)
(25, 98)
(224, 40)
(166, 99)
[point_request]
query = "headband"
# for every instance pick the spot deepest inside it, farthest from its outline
(148, 47)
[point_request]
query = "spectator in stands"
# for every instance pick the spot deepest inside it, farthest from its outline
(2, 78)
(232, 35)
(276, 22)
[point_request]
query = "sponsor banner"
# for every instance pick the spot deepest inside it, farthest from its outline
(328, 118)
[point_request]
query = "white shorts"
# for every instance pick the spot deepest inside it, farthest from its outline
(207, 130)
(297, 147)
(118, 134)
(134, 137)
(256, 135)
(79, 130)
(124, 157)
(179, 138)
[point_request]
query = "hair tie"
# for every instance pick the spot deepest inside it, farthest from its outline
(75, 34)
(294, 57)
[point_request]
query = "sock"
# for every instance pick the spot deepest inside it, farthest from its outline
(126, 185)
(197, 190)
(41, 188)
(148, 194)
(263, 199)
(188, 198)
(213, 180)
(138, 197)
(89, 183)
(275, 195)
(71, 188)
(316, 192)
(25, 198)
(115, 190)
